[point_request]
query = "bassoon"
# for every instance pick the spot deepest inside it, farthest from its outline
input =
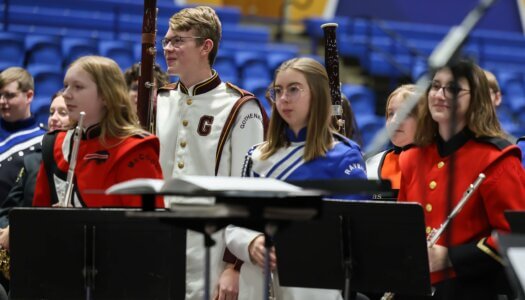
(331, 60)
(145, 101)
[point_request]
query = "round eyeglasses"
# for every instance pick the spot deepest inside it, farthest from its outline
(290, 93)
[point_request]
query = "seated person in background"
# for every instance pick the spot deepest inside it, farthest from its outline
(385, 165)
(301, 144)
(19, 132)
(464, 263)
(113, 148)
(22, 192)
(131, 75)
(495, 92)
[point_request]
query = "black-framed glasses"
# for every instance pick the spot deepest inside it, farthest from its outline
(449, 91)
(8, 96)
(177, 40)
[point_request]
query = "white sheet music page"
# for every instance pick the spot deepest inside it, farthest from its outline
(248, 184)
(517, 259)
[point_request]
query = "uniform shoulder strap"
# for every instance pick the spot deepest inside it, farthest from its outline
(245, 96)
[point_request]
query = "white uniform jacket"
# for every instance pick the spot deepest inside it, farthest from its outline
(190, 122)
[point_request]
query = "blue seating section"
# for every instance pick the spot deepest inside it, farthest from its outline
(395, 49)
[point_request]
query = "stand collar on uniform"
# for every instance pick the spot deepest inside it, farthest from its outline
(456, 142)
(203, 86)
(17, 125)
(92, 132)
(301, 137)
(398, 150)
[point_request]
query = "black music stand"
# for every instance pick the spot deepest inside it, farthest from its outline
(516, 219)
(512, 249)
(382, 246)
(94, 253)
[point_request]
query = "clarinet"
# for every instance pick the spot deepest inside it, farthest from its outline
(435, 234)
(145, 101)
(331, 59)
(66, 201)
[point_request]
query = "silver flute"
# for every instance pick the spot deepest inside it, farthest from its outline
(435, 234)
(73, 161)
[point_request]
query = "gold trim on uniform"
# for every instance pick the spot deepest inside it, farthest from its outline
(180, 165)
(428, 207)
(481, 245)
(432, 185)
(428, 230)
(189, 101)
(441, 164)
(185, 123)
(183, 144)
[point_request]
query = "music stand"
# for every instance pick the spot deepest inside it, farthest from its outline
(512, 249)
(386, 247)
(516, 219)
(72, 253)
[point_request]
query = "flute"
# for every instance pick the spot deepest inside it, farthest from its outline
(66, 201)
(435, 234)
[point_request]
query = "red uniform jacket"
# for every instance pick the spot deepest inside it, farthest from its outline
(425, 175)
(98, 167)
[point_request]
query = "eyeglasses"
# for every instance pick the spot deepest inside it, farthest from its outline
(449, 91)
(176, 41)
(8, 96)
(291, 93)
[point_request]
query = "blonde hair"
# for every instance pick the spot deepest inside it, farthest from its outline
(319, 135)
(119, 121)
(204, 21)
(404, 91)
(20, 75)
(480, 117)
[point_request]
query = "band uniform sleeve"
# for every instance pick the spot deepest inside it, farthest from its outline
(42, 195)
(238, 240)
(247, 131)
(503, 189)
(141, 161)
(352, 165)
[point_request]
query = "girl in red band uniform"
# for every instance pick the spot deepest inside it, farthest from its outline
(113, 147)
(464, 263)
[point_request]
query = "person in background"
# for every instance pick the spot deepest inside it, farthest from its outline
(385, 165)
(22, 192)
(20, 134)
(112, 148)
(131, 75)
(495, 91)
(464, 263)
(301, 144)
(205, 126)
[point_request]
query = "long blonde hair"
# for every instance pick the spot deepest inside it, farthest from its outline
(319, 134)
(119, 120)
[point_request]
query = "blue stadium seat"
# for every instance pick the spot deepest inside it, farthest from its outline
(48, 79)
(225, 65)
(12, 50)
(43, 49)
(40, 109)
(73, 48)
(258, 87)
(252, 64)
(361, 98)
(120, 51)
(369, 125)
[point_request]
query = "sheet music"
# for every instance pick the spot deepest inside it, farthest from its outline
(517, 259)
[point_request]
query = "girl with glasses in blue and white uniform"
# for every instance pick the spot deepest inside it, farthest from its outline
(301, 144)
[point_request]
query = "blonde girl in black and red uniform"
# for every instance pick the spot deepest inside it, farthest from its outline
(113, 148)
(385, 165)
(464, 263)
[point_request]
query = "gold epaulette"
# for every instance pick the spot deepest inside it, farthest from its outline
(169, 86)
